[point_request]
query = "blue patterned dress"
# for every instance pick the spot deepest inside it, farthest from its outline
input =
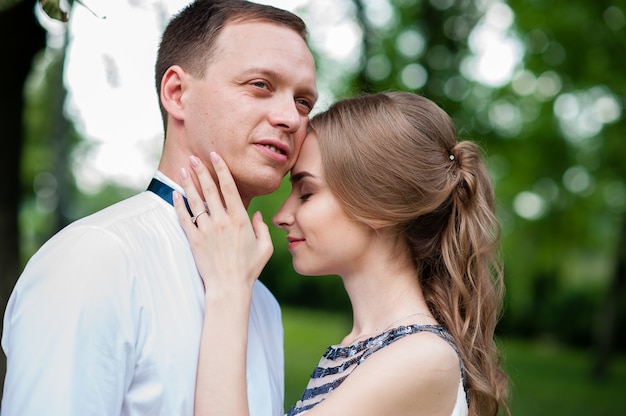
(338, 363)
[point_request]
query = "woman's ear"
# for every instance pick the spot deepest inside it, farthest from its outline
(172, 87)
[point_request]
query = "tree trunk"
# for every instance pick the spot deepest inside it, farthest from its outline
(608, 314)
(22, 37)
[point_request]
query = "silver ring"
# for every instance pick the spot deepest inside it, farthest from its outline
(194, 219)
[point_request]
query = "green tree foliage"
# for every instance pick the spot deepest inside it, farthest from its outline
(573, 160)
(22, 38)
(553, 137)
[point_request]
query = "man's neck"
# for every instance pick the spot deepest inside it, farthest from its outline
(166, 168)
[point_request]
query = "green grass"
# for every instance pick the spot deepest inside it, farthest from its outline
(546, 379)
(307, 335)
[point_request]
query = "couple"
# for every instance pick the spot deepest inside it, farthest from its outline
(107, 317)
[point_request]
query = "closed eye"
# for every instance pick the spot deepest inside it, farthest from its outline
(305, 197)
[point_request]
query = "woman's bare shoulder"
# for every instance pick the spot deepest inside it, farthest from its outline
(416, 375)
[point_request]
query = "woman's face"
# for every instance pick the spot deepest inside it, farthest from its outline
(322, 239)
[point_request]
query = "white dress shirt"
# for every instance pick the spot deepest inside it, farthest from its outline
(106, 320)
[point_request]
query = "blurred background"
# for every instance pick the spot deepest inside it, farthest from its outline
(539, 84)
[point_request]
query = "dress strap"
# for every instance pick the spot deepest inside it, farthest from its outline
(445, 335)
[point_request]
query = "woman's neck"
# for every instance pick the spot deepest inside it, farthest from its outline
(384, 295)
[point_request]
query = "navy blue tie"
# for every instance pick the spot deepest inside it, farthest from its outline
(165, 192)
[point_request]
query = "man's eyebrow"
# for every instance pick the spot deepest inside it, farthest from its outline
(297, 177)
(262, 71)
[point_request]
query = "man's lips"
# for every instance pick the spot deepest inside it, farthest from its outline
(275, 149)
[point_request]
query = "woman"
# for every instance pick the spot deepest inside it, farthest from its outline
(385, 197)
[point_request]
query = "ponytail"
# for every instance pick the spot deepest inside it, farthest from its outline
(471, 304)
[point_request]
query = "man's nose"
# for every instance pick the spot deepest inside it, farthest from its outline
(285, 115)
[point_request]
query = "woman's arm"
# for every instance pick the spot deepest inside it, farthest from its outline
(230, 252)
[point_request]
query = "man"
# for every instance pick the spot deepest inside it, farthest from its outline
(106, 317)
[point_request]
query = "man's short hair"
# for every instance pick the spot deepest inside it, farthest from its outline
(189, 38)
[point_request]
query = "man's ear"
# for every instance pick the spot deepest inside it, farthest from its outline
(172, 86)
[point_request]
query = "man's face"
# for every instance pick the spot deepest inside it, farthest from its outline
(252, 105)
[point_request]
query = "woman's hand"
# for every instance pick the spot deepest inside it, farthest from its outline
(230, 253)
(229, 249)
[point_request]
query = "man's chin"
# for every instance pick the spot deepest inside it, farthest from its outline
(262, 186)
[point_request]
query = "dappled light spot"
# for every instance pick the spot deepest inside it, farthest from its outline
(438, 57)
(46, 188)
(614, 18)
(499, 15)
(548, 85)
(496, 52)
(578, 180)
(615, 196)
(442, 4)
(505, 117)
(456, 88)
(582, 114)
(536, 41)
(339, 36)
(410, 44)
(554, 54)
(606, 109)
(524, 82)
(380, 13)
(529, 205)
(548, 189)
(342, 40)
(414, 76)
(336, 35)
(530, 109)
(378, 67)
(457, 27)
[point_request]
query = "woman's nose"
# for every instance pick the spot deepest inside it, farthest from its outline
(284, 217)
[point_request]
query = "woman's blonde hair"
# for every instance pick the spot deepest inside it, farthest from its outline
(393, 161)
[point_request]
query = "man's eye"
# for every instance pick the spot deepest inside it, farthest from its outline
(260, 84)
(305, 103)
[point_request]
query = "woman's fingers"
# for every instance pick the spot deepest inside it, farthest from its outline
(264, 240)
(228, 188)
(228, 247)
(183, 213)
(194, 200)
(212, 195)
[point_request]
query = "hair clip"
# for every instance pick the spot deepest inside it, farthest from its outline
(451, 157)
